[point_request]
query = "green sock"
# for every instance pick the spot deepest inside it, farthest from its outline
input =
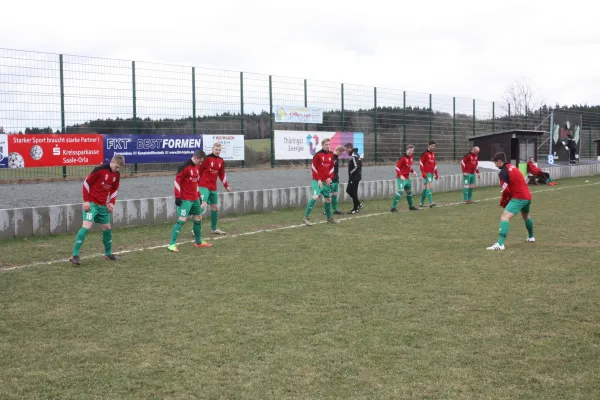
(396, 199)
(107, 240)
(465, 194)
(176, 229)
(470, 194)
(334, 202)
(79, 239)
(503, 232)
(328, 210)
(198, 231)
(529, 226)
(423, 196)
(214, 216)
(549, 179)
(409, 199)
(311, 204)
(429, 196)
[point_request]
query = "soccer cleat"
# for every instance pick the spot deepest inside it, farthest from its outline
(218, 232)
(466, 202)
(75, 260)
(338, 212)
(531, 239)
(112, 257)
(307, 222)
(432, 205)
(422, 205)
(470, 202)
(173, 248)
(332, 221)
(353, 212)
(203, 244)
(496, 246)
(413, 209)
(394, 209)
(360, 207)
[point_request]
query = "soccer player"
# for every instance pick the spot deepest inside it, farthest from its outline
(212, 168)
(470, 167)
(403, 170)
(99, 197)
(537, 172)
(187, 199)
(515, 198)
(335, 182)
(322, 175)
(428, 170)
(354, 177)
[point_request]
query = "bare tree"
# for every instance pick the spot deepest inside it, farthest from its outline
(521, 101)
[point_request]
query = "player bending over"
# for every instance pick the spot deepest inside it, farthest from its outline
(470, 167)
(428, 170)
(403, 171)
(538, 173)
(515, 198)
(99, 197)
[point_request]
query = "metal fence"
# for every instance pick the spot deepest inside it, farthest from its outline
(55, 93)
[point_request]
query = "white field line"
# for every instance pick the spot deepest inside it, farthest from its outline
(40, 263)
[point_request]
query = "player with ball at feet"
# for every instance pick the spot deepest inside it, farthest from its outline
(99, 197)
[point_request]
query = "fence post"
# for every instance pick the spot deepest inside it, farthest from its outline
(194, 100)
(271, 121)
(473, 117)
(62, 106)
(404, 118)
(494, 116)
(343, 107)
(454, 128)
(375, 121)
(430, 115)
(242, 123)
(135, 165)
(307, 162)
(590, 144)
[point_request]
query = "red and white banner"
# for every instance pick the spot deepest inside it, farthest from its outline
(29, 151)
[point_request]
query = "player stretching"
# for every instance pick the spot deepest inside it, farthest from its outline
(322, 175)
(212, 168)
(470, 167)
(99, 189)
(428, 170)
(187, 199)
(403, 170)
(515, 197)
(536, 171)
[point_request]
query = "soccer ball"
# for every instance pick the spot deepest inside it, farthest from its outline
(15, 160)
(36, 152)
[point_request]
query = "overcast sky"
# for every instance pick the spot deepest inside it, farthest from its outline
(454, 48)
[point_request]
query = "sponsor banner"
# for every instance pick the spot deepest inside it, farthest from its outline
(232, 146)
(145, 148)
(309, 115)
(3, 151)
(302, 145)
(28, 151)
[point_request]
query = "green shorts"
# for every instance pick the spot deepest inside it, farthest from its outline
(334, 187)
(470, 179)
(324, 191)
(428, 179)
(209, 196)
(515, 206)
(97, 214)
(404, 184)
(189, 207)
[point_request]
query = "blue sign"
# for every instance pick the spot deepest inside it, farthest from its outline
(151, 148)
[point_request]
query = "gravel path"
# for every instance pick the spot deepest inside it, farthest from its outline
(69, 192)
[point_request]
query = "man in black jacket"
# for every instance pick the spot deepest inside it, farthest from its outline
(354, 176)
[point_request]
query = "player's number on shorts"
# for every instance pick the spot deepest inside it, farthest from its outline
(183, 213)
(88, 216)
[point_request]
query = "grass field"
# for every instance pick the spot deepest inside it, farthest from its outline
(259, 145)
(382, 306)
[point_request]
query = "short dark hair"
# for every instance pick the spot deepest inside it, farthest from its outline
(499, 157)
(200, 154)
(349, 146)
(410, 146)
(431, 142)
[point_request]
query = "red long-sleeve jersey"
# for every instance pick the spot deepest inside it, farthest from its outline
(428, 164)
(211, 169)
(322, 166)
(470, 164)
(533, 169)
(187, 181)
(513, 184)
(404, 166)
(101, 186)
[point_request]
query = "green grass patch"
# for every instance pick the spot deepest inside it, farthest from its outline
(406, 305)
(259, 145)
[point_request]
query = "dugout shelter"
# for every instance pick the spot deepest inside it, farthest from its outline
(518, 145)
(597, 141)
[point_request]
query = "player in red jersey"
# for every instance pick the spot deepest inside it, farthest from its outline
(470, 167)
(515, 198)
(187, 199)
(99, 197)
(211, 169)
(403, 171)
(428, 170)
(322, 176)
(536, 171)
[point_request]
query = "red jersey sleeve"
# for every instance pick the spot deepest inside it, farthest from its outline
(87, 185)
(177, 183)
(315, 166)
(422, 165)
(465, 161)
(114, 189)
(399, 167)
(223, 176)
